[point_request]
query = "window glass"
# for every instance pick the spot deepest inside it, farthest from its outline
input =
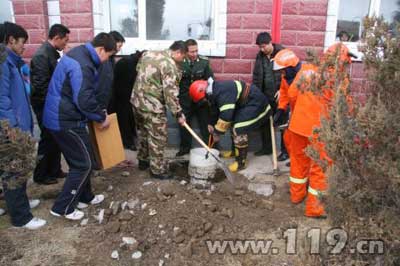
(179, 19)
(5, 11)
(124, 17)
(351, 14)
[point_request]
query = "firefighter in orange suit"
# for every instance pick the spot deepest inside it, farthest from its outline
(307, 178)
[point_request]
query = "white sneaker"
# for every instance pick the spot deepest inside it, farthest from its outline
(75, 215)
(35, 223)
(96, 200)
(2, 211)
(33, 203)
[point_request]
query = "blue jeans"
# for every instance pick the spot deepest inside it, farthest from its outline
(77, 150)
(16, 199)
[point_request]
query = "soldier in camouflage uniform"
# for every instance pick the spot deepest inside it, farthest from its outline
(156, 88)
(195, 67)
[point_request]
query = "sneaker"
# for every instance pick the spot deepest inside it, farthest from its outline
(96, 200)
(35, 223)
(2, 211)
(75, 215)
(33, 203)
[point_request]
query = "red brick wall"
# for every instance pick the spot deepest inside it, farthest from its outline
(245, 19)
(78, 17)
(32, 15)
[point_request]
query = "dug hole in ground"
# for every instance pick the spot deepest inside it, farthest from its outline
(144, 221)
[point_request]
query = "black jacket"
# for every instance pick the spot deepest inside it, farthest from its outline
(105, 81)
(263, 75)
(43, 64)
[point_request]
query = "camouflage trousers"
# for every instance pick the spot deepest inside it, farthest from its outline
(152, 140)
(241, 140)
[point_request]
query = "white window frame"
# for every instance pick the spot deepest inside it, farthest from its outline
(331, 25)
(216, 47)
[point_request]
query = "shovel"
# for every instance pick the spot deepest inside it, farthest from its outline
(221, 164)
(275, 170)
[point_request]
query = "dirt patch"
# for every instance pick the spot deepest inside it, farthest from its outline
(162, 222)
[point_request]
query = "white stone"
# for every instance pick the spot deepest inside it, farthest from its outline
(123, 205)
(181, 201)
(132, 203)
(161, 263)
(147, 183)
(144, 205)
(183, 182)
(129, 240)
(152, 212)
(136, 255)
(84, 222)
(115, 255)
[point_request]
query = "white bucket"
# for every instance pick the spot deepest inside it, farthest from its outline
(202, 169)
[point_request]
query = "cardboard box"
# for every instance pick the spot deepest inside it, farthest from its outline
(107, 144)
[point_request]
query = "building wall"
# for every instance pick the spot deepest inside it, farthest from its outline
(303, 25)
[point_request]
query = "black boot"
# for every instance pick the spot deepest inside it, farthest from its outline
(143, 165)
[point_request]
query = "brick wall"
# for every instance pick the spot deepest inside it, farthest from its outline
(78, 17)
(245, 19)
(32, 15)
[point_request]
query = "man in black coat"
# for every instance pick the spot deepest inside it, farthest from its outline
(44, 61)
(124, 78)
(269, 82)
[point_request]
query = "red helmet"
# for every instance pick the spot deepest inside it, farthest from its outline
(197, 90)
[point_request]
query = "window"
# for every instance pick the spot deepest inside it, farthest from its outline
(6, 11)
(155, 24)
(344, 22)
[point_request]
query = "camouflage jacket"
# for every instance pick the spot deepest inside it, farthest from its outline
(157, 83)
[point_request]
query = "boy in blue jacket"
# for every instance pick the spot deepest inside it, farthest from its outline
(70, 103)
(15, 107)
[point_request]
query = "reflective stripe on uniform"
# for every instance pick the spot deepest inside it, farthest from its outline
(239, 89)
(227, 107)
(298, 180)
(249, 122)
(315, 192)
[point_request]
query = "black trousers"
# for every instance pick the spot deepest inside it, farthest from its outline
(77, 150)
(48, 164)
(16, 199)
(266, 141)
(202, 115)
(126, 123)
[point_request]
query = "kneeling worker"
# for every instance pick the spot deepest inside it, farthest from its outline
(234, 105)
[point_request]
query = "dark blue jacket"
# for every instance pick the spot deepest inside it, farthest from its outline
(14, 99)
(71, 97)
(244, 107)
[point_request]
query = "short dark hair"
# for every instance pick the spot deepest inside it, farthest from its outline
(117, 36)
(58, 30)
(190, 42)
(179, 45)
(263, 38)
(104, 40)
(2, 33)
(13, 30)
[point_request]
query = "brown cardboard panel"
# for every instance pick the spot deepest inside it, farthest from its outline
(107, 144)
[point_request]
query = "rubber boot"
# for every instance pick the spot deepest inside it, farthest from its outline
(241, 160)
(230, 154)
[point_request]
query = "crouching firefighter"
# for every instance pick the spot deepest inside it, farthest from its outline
(235, 105)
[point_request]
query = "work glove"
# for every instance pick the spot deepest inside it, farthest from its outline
(278, 117)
